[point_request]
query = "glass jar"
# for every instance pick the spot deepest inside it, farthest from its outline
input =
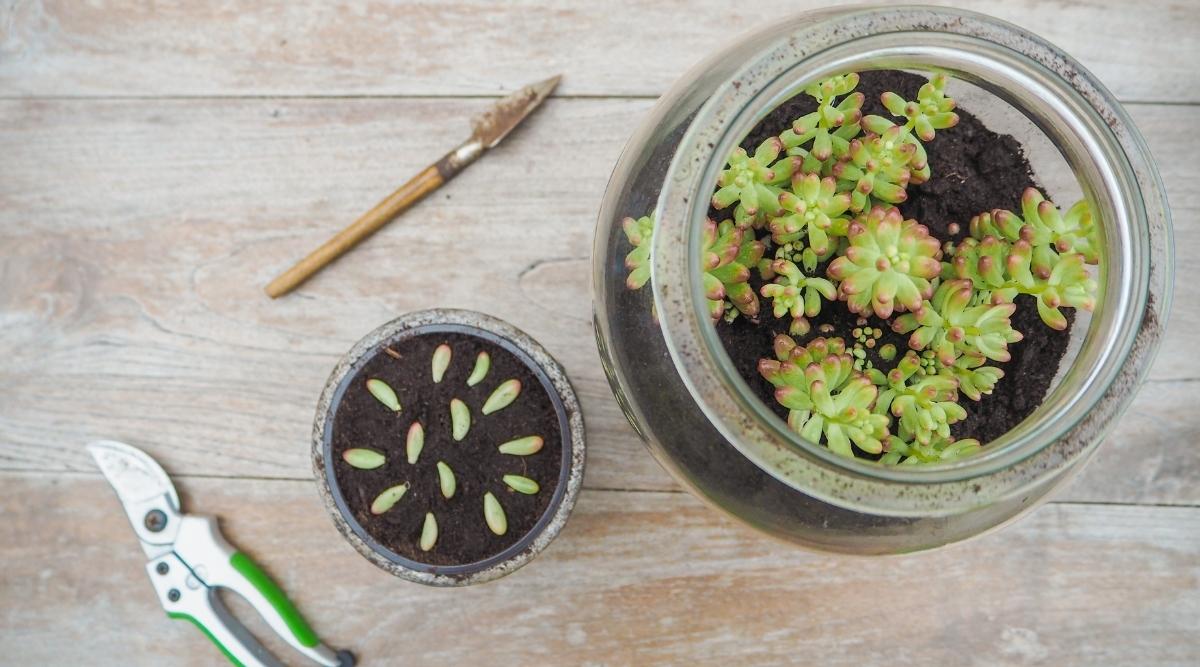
(701, 420)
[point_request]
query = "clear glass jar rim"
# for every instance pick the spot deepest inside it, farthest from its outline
(1119, 173)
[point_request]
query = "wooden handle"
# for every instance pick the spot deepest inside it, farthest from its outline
(430, 179)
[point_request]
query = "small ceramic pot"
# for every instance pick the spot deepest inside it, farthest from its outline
(554, 382)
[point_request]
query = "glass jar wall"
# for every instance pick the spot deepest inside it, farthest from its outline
(699, 418)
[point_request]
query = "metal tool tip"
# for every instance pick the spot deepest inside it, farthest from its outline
(549, 84)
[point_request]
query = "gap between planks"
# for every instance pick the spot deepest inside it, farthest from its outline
(415, 98)
(27, 473)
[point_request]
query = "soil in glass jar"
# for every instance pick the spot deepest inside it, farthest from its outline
(974, 170)
(361, 420)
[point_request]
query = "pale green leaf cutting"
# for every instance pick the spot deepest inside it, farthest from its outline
(384, 393)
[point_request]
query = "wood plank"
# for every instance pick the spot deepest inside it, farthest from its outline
(1142, 51)
(138, 236)
(1074, 585)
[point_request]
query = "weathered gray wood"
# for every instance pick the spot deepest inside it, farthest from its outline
(137, 237)
(1069, 585)
(1142, 50)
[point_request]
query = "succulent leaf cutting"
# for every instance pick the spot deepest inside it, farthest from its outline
(812, 217)
(364, 459)
(502, 396)
(460, 419)
(531, 444)
(493, 513)
(414, 442)
(441, 361)
(521, 484)
(384, 393)
(446, 481)
(483, 363)
(387, 499)
(429, 532)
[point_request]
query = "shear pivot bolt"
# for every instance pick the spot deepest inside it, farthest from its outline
(155, 520)
(173, 595)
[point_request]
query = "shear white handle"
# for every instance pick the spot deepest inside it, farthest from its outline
(185, 598)
(219, 565)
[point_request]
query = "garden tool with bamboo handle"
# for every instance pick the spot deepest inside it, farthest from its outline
(488, 129)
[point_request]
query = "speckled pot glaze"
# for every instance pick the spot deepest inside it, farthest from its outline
(679, 389)
(573, 447)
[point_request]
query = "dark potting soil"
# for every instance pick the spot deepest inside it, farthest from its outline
(973, 170)
(362, 421)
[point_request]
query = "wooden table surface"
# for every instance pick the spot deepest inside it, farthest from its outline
(161, 161)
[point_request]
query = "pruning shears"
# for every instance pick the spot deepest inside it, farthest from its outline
(190, 560)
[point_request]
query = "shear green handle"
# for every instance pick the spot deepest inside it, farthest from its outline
(275, 595)
(203, 628)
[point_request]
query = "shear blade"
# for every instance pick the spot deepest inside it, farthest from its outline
(135, 476)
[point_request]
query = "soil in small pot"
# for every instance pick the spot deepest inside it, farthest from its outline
(362, 421)
(974, 170)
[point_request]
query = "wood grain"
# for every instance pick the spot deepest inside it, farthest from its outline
(420, 186)
(1069, 585)
(159, 162)
(1142, 50)
(137, 235)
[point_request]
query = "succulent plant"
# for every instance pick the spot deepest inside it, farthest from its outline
(1042, 225)
(754, 180)
(729, 253)
(889, 264)
(786, 349)
(974, 378)
(1073, 231)
(1068, 285)
(931, 111)
(938, 450)
(926, 405)
(796, 294)
(950, 326)
(639, 233)
(813, 209)
(877, 167)
(1005, 269)
(827, 400)
(825, 134)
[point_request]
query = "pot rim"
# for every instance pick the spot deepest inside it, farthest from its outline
(553, 380)
(1139, 253)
